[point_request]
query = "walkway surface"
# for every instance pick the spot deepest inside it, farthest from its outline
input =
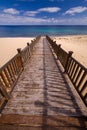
(42, 98)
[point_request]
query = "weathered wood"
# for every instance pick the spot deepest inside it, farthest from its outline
(74, 73)
(4, 79)
(29, 51)
(67, 64)
(78, 74)
(81, 80)
(10, 72)
(3, 91)
(72, 67)
(7, 75)
(42, 99)
(20, 62)
(4, 97)
(54, 122)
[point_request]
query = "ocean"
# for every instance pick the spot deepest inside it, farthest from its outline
(34, 30)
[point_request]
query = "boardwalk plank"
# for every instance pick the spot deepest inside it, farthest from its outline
(42, 98)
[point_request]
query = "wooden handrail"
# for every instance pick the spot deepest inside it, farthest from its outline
(75, 70)
(10, 72)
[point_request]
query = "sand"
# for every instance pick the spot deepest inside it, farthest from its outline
(8, 47)
(77, 44)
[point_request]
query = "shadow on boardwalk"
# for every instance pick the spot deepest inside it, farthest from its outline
(42, 99)
(60, 109)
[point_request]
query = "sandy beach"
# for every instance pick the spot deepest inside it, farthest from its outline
(8, 47)
(75, 43)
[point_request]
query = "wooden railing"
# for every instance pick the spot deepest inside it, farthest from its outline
(11, 71)
(76, 72)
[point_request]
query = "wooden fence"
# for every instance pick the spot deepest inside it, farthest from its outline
(11, 71)
(76, 72)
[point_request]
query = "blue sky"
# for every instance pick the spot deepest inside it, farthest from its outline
(43, 12)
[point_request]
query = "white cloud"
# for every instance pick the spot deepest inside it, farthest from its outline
(69, 21)
(30, 13)
(49, 9)
(8, 19)
(11, 11)
(12, 19)
(74, 10)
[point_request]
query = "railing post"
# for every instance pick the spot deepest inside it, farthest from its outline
(53, 42)
(58, 50)
(20, 55)
(19, 50)
(28, 44)
(29, 49)
(69, 55)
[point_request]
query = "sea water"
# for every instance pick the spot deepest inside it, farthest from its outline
(32, 31)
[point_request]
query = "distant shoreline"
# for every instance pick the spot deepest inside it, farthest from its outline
(35, 30)
(43, 25)
(52, 36)
(65, 35)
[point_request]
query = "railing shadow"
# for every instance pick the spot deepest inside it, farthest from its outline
(76, 72)
(60, 109)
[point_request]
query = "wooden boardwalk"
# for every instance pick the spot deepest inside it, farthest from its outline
(42, 98)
